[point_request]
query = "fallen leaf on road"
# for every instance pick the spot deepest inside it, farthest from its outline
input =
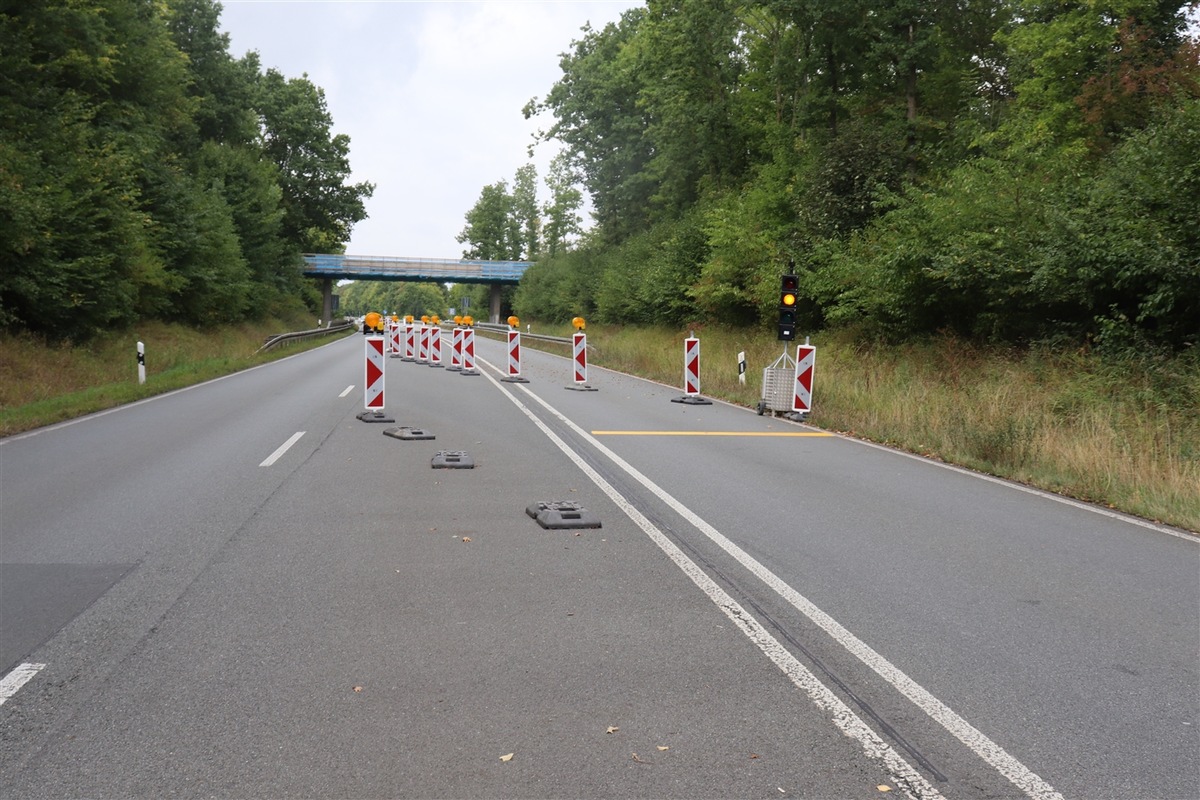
(755, 755)
(638, 760)
(508, 757)
(663, 747)
(612, 729)
(357, 689)
(466, 538)
(883, 787)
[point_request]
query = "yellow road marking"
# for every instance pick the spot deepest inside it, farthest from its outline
(811, 434)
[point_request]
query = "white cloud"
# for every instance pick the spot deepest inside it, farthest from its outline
(430, 94)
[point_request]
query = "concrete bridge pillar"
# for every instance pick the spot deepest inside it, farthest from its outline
(326, 301)
(494, 304)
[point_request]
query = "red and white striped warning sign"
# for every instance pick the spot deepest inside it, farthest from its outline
(806, 359)
(514, 354)
(468, 352)
(691, 366)
(579, 348)
(435, 345)
(410, 342)
(374, 381)
(393, 338)
(456, 349)
(423, 344)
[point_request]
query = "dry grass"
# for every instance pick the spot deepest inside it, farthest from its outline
(1125, 435)
(42, 384)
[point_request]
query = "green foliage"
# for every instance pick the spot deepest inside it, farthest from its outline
(394, 297)
(134, 182)
(1008, 170)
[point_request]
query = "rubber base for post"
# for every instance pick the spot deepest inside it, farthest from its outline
(796, 416)
(562, 515)
(375, 416)
(471, 372)
(409, 433)
(692, 400)
(452, 459)
(515, 379)
(582, 387)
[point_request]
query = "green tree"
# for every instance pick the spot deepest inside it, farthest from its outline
(492, 232)
(319, 207)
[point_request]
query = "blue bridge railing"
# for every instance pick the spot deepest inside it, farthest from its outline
(396, 268)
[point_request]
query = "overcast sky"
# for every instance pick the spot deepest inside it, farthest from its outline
(430, 93)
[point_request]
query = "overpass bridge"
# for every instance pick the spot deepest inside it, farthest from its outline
(333, 268)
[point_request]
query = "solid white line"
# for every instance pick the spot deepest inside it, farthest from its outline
(14, 680)
(283, 448)
(1008, 766)
(347, 390)
(906, 777)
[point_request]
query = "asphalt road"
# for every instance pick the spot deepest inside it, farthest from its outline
(242, 590)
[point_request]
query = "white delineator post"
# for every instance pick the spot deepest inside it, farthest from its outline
(373, 391)
(141, 361)
(806, 360)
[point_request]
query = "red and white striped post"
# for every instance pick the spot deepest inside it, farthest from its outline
(393, 338)
(423, 342)
(410, 340)
(435, 343)
(514, 352)
(456, 347)
(806, 360)
(579, 356)
(373, 383)
(468, 348)
(691, 374)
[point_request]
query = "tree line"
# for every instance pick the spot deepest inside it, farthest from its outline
(146, 173)
(1006, 170)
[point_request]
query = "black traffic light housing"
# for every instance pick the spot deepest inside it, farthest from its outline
(789, 288)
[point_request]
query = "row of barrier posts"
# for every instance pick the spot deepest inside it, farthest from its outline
(428, 341)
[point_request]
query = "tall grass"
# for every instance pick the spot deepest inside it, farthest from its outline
(41, 384)
(1119, 431)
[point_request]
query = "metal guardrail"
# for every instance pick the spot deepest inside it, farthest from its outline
(494, 328)
(299, 336)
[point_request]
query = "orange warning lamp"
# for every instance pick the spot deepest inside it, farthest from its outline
(435, 320)
(468, 320)
(372, 319)
(579, 323)
(425, 319)
(408, 319)
(458, 319)
(513, 322)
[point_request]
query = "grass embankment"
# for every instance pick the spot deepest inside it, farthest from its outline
(1120, 431)
(41, 384)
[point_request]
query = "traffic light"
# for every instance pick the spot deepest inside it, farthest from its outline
(789, 285)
